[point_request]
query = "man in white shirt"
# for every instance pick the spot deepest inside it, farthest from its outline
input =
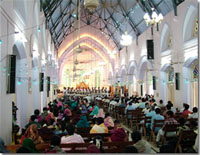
(113, 102)
(160, 104)
(71, 137)
(146, 109)
(194, 113)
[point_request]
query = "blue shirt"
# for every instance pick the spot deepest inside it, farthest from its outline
(122, 105)
(156, 117)
(132, 107)
(142, 105)
(150, 114)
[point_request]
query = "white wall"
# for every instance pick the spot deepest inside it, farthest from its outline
(162, 53)
(14, 16)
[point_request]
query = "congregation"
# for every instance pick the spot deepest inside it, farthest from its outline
(88, 124)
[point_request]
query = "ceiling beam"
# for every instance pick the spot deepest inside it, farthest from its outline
(132, 24)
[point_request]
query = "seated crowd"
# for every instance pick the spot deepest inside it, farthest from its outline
(69, 120)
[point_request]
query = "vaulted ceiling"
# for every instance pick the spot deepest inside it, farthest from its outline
(112, 17)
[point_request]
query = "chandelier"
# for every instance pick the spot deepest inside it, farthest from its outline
(126, 39)
(154, 19)
(79, 49)
(91, 5)
(76, 62)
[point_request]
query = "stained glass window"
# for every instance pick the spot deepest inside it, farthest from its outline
(195, 72)
(171, 74)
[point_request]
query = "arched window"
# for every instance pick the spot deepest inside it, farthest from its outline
(190, 24)
(166, 39)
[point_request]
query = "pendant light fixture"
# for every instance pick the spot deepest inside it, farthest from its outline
(126, 39)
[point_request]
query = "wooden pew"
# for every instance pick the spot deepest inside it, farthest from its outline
(46, 134)
(87, 129)
(186, 139)
(83, 130)
(156, 123)
(140, 117)
(146, 120)
(133, 118)
(39, 147)
(169, 128)
(89, 137)
(108, 147)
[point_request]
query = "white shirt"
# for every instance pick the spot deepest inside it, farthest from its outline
(113, 102)
(182, 109)
(145, 110)
(72, 139)
(161, 105)
(173, 109)
(193, 115)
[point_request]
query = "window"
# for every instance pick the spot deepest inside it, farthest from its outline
(170, 74)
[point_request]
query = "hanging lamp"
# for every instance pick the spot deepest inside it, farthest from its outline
(91, 5)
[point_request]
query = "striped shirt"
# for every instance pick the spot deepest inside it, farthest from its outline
(169, 121)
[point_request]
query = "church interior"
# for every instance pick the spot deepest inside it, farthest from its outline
(99, 76)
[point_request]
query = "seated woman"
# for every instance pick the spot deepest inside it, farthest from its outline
(74, 105)
(37, 115)
(71, 137)
(84, 109)
(100, 113)
(32, 132)
(60, 115)
(99, 127)
(95, 110)
(50, 115)
(76, 117)
(108, 121)
(68, 112)
(54, 148)
(45, 113)
(32, 121)
(28, 146)
(118, 133)
(82, 123)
